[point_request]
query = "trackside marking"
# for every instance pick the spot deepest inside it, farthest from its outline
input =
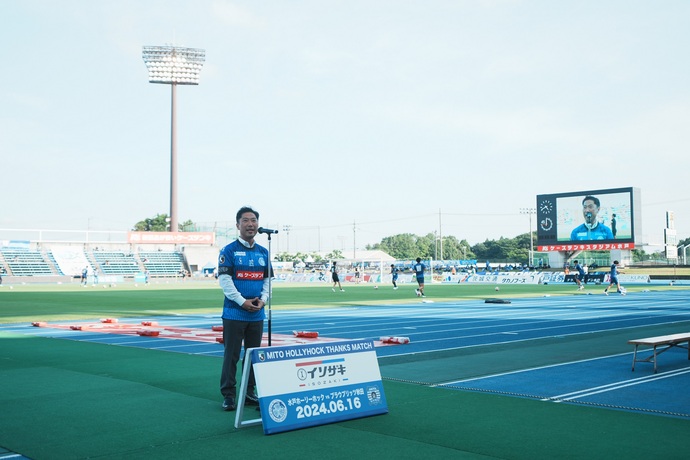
(522, 371)
(615, 386)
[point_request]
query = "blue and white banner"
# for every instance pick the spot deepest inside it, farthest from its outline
(307, 385)
(504, 278)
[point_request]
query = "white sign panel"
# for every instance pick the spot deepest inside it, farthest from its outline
(314, 384)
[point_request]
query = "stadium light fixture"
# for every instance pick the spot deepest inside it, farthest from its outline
(286, 229)
(173, 65)
(683, 248)
(530, 211)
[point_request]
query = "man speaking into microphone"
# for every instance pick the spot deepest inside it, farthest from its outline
(591, 229)
(244, 269)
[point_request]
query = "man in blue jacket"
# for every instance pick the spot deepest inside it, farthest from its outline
(591, 229)
(243, 275)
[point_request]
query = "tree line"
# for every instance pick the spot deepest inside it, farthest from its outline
(408, 246)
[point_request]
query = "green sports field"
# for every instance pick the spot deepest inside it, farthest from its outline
(51, 302)
(68, 399)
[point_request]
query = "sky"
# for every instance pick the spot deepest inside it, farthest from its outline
(346, 121)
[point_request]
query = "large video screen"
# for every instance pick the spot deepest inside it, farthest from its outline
(591, 219)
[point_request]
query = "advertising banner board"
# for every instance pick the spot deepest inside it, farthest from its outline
(307, 385)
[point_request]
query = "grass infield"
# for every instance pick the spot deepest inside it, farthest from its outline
(61, 399)
(22, 303)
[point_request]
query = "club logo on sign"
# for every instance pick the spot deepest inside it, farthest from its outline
(277, 411)
(374, 395)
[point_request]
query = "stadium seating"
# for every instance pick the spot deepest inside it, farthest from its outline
(159, 263)
(54, 263)
(25, 262)
(116, 263)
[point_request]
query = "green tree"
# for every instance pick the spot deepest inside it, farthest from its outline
(187, 226)
(453, 249)
(402, 246)
(505, 249)
(160, 224)
(520, 252)
(426, 247)
(409, 246)
(153, 224)
(301, 257)
(639, 255)
(335, 255)
(317, 257)
(284, 257)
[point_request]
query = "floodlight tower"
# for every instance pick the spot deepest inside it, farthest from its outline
(173, 65)
(531, 212)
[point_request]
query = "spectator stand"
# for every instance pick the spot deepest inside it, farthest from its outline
(116, 262)
(162, 263)
(26, 262)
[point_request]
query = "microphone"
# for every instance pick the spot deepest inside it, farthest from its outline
(267, 230)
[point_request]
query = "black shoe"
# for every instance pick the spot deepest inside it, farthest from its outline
(229, 404)
(251, 399)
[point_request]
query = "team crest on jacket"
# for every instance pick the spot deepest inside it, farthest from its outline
(221, 259)
(262, 262)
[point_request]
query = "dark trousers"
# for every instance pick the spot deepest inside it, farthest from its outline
(234, 333)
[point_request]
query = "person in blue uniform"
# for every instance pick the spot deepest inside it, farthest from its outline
(394, 276)
(591, 229)
(579, 275)
(243, 275)
(614, 280)
(418, 269)
(335, 277)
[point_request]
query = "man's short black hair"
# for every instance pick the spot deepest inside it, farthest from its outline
(419, 259)
(243, 210)
(592, 198)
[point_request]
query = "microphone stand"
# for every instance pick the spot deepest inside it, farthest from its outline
(270, 289)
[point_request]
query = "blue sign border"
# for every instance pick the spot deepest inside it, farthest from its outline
(336, 399)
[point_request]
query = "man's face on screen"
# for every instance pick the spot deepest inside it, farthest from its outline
(589, 212)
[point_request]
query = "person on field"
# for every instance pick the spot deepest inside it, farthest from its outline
(418, 269)
(243, 274)
(579, 276)
(614, 279)
(394, 276)
(335, 277)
